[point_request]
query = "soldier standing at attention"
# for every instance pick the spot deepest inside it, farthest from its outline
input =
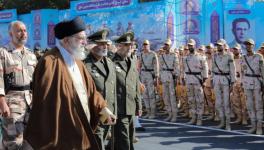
(128, 92)
(208, 87)
(18, 98)
(252, 79)
(223, 69)
(196, 72)
(149, 73)
(237, 96)
(169, 72)
(102, 70)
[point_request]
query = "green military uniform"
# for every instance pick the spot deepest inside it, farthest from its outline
(104, 76)
(128, 96)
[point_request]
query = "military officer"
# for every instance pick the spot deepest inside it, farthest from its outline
(208, 88)
(223, 69)
(102, 70)
(196, 72)
(6, 62)
(237, 96)
(128, 92)
(18, 97)
(252, 79)
(169, 72)
(149, 73)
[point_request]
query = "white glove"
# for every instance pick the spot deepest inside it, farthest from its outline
(107, 117)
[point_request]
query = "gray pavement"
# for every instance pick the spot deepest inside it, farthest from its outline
(161, 135)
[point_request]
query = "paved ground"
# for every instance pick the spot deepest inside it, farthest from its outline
(160, 135)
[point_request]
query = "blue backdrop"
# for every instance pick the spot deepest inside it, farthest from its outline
(204, 20)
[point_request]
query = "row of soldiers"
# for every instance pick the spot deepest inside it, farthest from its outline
(214, 77)
(116, 78)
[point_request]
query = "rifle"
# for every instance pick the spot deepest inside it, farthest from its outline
(173, 76)
(254, 75)
(200, 80)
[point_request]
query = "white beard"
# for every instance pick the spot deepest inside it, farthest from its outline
(79, 53)
(102, 52)
(20, 42)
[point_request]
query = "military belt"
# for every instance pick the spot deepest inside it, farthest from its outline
(193, 73)
(167, 69)
(20, 88)
(221, 74)
(147, 70)
(252, 75)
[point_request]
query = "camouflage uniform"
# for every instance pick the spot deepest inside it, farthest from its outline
(195, 69)
(237, 96)
(169, 71)
(182, 90)
(222, 80)
(251, 83)
(208, 90)
(18, 97)
(148, 73)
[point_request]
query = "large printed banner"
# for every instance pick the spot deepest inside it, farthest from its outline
(213, 21)
(43, 28)
(190, 23)
(146, 21)
(239, 22)
(82, 7)
(6, 17)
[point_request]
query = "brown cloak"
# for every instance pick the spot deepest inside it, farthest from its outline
(57, 120)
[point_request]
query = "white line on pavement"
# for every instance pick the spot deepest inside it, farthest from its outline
(204, 127)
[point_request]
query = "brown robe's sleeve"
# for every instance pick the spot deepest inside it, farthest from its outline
(96, 100)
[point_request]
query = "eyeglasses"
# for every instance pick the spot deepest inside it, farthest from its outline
(80, 38)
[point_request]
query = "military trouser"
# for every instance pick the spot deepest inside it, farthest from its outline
(238, 100)
(254, 104)
(182, 97)
(14, 125)
(195, 99)
(169, 97)
(209, 97)
(149, 94)
(222, 103)
(124, 133)
(100, 135)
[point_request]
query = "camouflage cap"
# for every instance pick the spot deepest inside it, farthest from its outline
(168, 42)
(237, 46)
(249, 41)
(220, 42)
(202, 48)
(191, 42)
(210, 45)
(262, 45)
(181, 48)
(146, 42)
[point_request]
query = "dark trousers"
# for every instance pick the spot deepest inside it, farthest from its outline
(124, 133)
(100, 135)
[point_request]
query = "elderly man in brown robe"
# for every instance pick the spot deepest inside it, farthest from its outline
(66, 106)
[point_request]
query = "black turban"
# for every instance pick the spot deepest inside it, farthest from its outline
(68, 28)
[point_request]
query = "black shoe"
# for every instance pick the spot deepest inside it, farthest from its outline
(140, 129)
